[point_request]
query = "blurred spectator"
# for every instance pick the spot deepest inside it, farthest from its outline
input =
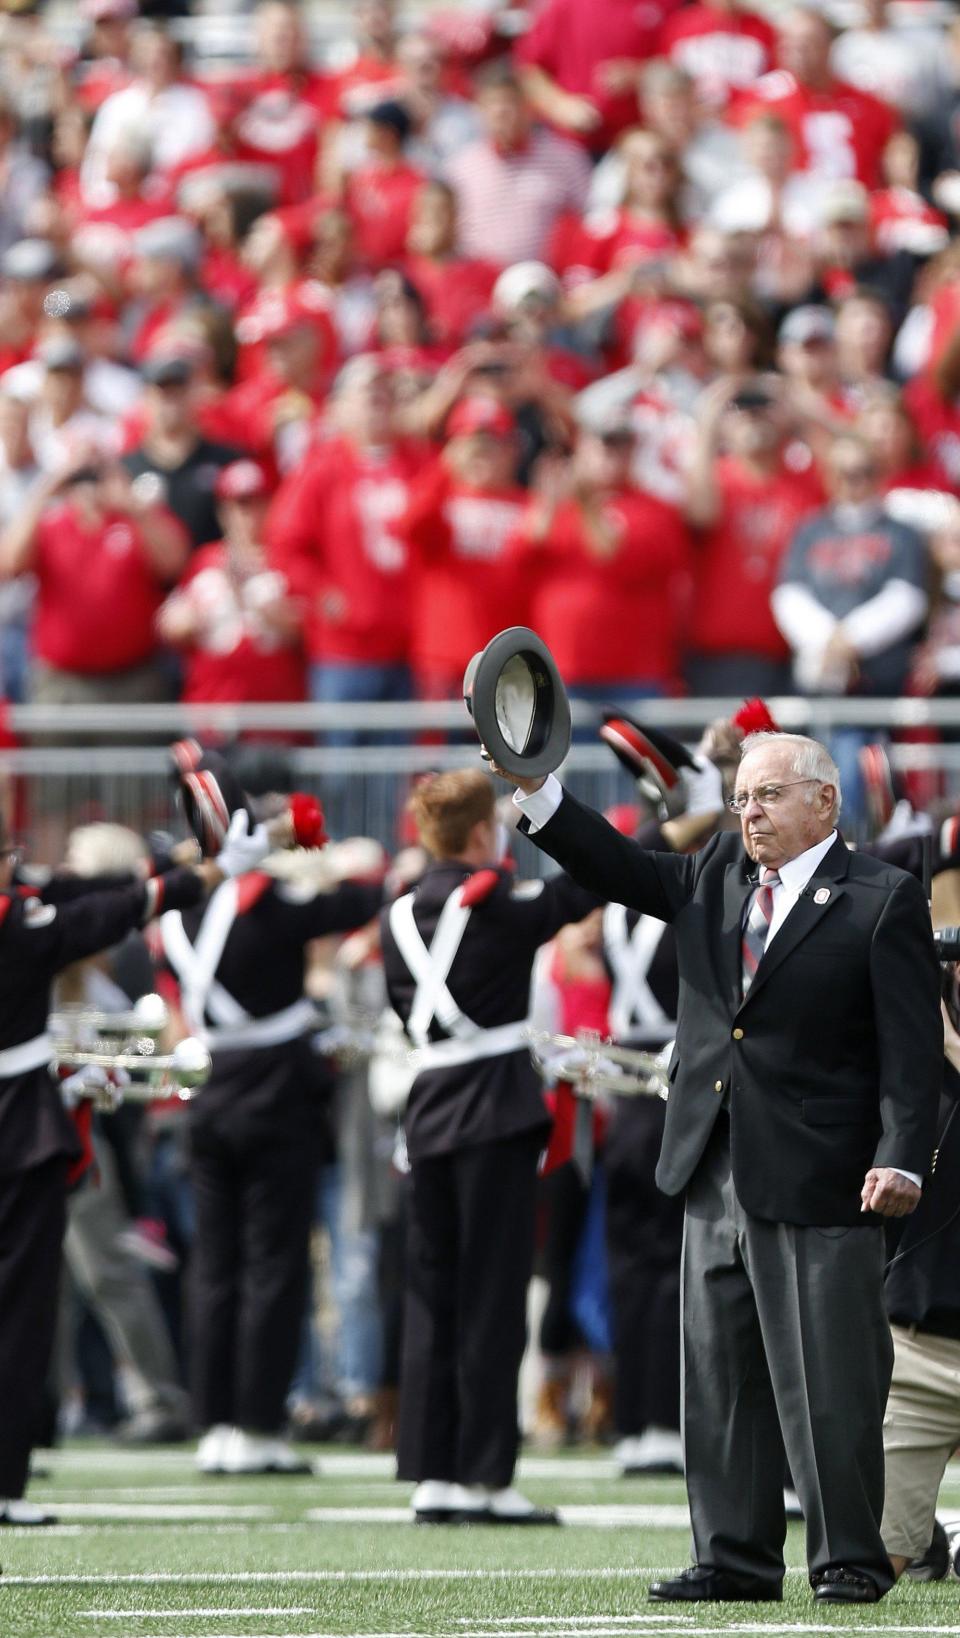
(579, 64)
(514, 183)
(607, 569)
(442, 123)
(103, 553)
(23, 178)
(456, 289)
(19, 474)
(231, 616)
(333, 264)
(838, 130)
(332, 531)
(172, 449)
(847, 255)
(279, 104)
(159, 107)
(61, 417)
(890, 433)
(900, 217)
(722, 45)
(461, 513)
(26, 270)
(863, 335)
(745, 504)
(936, 663)
(272, 413)
(379, 194)
(163, 282)
(103, 64)
(902, 62)
(372, 76)
(853, 587)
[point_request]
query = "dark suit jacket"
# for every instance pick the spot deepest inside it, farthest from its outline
(833, 1062)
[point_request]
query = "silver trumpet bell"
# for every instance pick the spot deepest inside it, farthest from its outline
(593, 1066)
(127, 1042)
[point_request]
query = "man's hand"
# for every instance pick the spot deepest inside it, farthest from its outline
(888, 1193)
(527, 786)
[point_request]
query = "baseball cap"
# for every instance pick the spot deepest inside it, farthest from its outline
(517, 284)
(807, 323)
(61, 353)
(393, 115)
(169, 239)
(480, 414)
(29, 260)
(241, 480)
(846, 201)
(167, 369)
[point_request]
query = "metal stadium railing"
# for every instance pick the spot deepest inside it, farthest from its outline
(78, 763)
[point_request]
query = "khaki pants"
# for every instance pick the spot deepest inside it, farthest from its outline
(921, 1430)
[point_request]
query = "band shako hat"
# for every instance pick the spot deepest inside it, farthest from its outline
(518, 703)
(209, 793)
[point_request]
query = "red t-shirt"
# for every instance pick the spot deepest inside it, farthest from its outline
(938, 423)
(97, 595)
(616, 619)
(837, 133)
(463, 593)
(571, 40)
(235, 657)
(737, 562)
(332, 531)
(279, 126)
(457, 293)
(380, 203)
(898, 215)
(723, 51)
(622, 239)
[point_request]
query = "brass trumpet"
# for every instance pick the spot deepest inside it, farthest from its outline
(593, 1066)
(126, 1042)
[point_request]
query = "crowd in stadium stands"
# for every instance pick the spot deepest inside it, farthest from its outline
(640, 325)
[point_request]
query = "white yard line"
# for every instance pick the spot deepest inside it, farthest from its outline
(597, 1516)
(237, 1578)
(158, 1511)
(202, 1610)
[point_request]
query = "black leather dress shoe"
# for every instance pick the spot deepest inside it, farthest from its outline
(841, 1586)
(701, 1584)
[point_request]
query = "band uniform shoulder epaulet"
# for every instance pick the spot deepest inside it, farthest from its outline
(478, 887)
(251, 888)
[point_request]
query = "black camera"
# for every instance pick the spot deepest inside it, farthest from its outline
(947, 941)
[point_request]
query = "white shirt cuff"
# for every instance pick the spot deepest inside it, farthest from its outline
(540, 806)
(911, 1175)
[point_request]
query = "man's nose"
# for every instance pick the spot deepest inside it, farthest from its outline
(752, 808)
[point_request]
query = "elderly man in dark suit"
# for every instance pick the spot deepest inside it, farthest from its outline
(802, 1109)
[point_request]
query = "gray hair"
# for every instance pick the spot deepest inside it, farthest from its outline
(810, 760)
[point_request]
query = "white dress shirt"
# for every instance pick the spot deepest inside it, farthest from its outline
(541, 805)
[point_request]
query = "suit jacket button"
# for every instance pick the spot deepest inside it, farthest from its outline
(738, 1034)
(718, 1086)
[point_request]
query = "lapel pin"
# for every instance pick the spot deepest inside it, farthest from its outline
(821, 895)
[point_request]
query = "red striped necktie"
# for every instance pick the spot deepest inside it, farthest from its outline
(756, 928)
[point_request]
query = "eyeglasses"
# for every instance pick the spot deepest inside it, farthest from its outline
(766, 796)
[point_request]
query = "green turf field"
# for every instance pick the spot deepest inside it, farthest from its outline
(147, 1547)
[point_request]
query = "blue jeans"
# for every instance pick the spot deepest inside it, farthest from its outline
(356, 1366)
(346, 683)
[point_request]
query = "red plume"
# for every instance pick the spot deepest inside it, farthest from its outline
(754, 717)
(308, 822)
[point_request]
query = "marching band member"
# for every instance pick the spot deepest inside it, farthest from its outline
(39, 935)
(258, 1132)
(458, 954)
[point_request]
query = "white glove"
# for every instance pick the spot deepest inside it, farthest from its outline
(244, 849)
(102, 1087)
(703, 784)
